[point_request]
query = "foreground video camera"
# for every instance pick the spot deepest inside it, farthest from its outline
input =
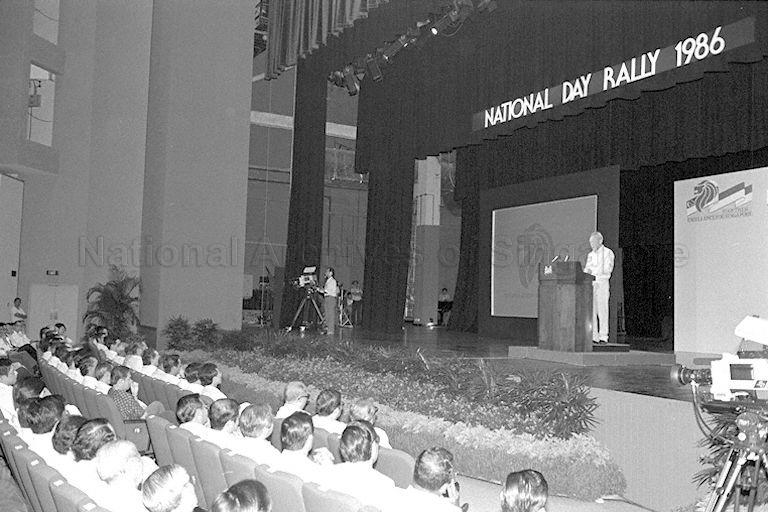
(679, 374)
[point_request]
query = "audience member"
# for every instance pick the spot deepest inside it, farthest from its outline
(7, 382)
(223, 415)
(62, 458)
(92, 435)
(61, 330)
(366, 410)
(60, 355)
(130, 408)
(149, 360)
(524, 491)
(87, 366)
(169, 489)
(43, 414)
(102, 376)
(72, 371)
(244, 496)
(192, 414)
(133, 356)
(295, 399)
(434, 485)
(170, 366)
(119, 466)
(256, 424)
(210, 379)
(359, 450)
(191, 380)
(296, 437)
(327, 412)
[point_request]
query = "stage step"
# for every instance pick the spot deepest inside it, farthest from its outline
(610, 347)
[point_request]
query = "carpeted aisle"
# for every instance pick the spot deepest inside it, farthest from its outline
(484, 497)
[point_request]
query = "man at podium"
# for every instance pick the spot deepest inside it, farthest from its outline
(599, 264)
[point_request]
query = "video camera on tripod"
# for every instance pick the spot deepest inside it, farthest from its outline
(738, 385)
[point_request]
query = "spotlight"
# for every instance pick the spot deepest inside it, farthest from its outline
(350, 80)
(486, 5)
(373, 68)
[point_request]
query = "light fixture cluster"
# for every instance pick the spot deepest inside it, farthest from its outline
(445, 24)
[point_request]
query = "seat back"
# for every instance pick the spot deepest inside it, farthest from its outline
(181, 450)
(275, 439)
(156, 426)
(67, 497)
(68, 389)
(284, 489)
(79, 391)
(209, 468)
(327, 500)
(236, 467)
(320, 439)
(172, 393)
(107, 409)
(11, 443)
(91, 405)
(28, 461)
(334, 441)
(42, 476)
(397, 465)
(146, 393)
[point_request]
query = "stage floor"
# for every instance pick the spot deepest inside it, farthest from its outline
(643, 379)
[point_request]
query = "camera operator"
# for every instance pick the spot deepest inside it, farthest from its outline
(331, 293)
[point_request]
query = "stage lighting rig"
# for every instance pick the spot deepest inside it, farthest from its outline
(372, 64)
(486, 6)
(351, 82)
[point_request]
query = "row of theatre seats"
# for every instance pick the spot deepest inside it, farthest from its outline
(213, 469)
(44, 489)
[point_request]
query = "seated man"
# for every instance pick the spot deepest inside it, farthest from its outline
(359, 450)
(87, 367)
(102, 376)
(7, 381)
(149, 361)
(296, 437)
(223, 416)
(256, 426)
(169, 489)
(119, 466)
(170, 367)
(191, 380)
(91, 436)
(434, 485)
(60, 357)
(192, 414)
(72, 371)
(210, 379)
(130, 408)
(295, 399)
(328, 410)
(42, 416)
(366, 410)
(62, 458)
(133, 356)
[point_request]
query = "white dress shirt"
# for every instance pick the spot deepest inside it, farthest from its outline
(118, 498)
(260, 450)
(331, 288)
(328, 424)
(17, 311)
(600, 263)
(149, 369)
(133, 362)
(6, 401)
(297, 463)
(417, 500)
(213, 393)
(360, 480)
(288, 409)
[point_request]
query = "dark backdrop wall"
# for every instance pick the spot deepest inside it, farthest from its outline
(604, 183)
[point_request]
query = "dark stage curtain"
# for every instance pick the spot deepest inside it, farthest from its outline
(305, 212)
(390, 203)
(298, 27)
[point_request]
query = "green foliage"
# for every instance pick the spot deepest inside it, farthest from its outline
(114, 304)
(179, 333)
(206, 333)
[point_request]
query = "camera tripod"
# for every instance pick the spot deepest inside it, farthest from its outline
(746, 462)
(309, 298)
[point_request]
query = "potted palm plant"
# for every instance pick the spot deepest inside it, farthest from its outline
(114, 304)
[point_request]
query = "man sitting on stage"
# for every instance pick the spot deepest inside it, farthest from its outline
(599, 264)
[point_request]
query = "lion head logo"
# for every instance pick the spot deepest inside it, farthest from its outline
(534, 246)
(704, 194)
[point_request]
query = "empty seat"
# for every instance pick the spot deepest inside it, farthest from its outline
(42, 477)
(146, 393)
(209, 468)
(131, 430)
(284, 489)
(68, 498)
(79, 391)
(170, 393)
(91, 407)
(156, 427)
(397, 465)
(10, 443)
(317, 499)
(237, 467)
(179, 444)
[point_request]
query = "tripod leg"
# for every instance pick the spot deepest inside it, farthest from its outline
(733, 476)
(321, 318)
(721, 478)
(754, 484)
(298, 312)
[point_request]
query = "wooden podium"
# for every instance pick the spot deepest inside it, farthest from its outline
(565, 307)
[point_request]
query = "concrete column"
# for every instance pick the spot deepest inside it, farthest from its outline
(193, 223)
(426, 195)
